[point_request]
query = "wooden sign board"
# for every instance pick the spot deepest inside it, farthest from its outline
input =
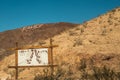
(33, 57)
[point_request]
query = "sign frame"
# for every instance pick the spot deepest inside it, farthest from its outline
(50, 57)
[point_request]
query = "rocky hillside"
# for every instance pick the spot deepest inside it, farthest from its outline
(31, 34)
(97, 39)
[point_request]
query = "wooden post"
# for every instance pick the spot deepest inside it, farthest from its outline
(16, 62)
(52, 69)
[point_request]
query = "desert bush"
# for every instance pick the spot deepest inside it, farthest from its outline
(82, 68)
(110, 22)
(85, 25)
(41, 77)
(46, 75)
(116, 24)
(104, 31)
(100, 22)
(59, 73)
(11, 73)
(111, 29)
(103, 73)
(72, 33)
(81, 30)
(114, 10)
(37, 77)
(88, 71)
(119, 9)
(97, 73)
(77, 28)
(77, 42)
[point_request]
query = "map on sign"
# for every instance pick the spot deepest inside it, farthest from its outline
(33, 57)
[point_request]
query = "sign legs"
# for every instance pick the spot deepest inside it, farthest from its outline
(52, 68)
(16, 75)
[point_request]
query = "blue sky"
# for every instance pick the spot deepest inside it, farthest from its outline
(19, 13)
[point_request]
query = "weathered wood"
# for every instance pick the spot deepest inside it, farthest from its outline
(52, 68)
(50, 57)
(16, 62)
(32, 47)
(32, 66)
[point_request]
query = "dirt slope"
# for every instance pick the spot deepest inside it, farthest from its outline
(98, 38)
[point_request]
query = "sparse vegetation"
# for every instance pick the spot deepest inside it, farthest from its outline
(111, 29)
(72, 33)
(77, 28)
(82, 50)
(114, 10)
(97, 73)
(85, 25)
(81, 30)
(88, 71)
(104, 31)
(47, 76)
(110, 22)
(78, 42)
(116, 24)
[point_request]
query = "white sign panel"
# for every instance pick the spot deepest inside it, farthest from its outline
(33, 57)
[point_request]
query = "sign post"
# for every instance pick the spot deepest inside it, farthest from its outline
(16, 62)
(51, 57)
(34, 56)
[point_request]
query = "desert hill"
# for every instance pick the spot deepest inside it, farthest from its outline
(31, 34)
(97, 39)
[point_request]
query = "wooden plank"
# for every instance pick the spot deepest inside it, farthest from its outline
(32, 47)
(32, 66)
